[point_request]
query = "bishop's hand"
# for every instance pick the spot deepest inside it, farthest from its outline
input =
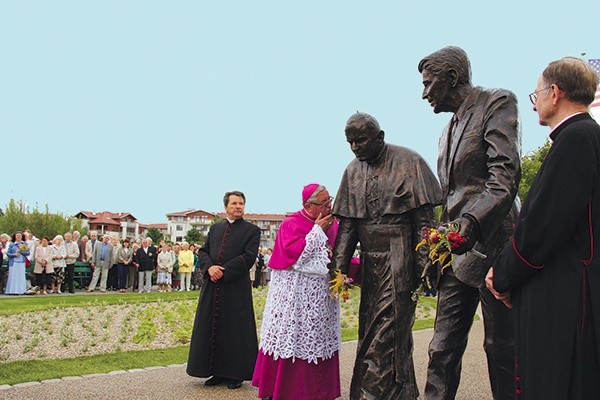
(324, 221)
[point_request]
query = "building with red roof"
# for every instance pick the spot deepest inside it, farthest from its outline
(120, 224)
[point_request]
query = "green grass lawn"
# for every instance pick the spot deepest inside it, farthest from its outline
(37, 370)
(41, 369)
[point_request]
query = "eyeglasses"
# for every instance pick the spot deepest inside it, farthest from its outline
(533, 96)
(329, 200)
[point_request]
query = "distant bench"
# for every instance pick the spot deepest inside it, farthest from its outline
(82, 274)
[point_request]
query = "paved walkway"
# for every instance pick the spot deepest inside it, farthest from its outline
(173, 383)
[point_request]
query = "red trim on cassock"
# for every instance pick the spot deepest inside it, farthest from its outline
(530, 265)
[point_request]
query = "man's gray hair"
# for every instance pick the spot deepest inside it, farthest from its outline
(573, 76)
(313, 197)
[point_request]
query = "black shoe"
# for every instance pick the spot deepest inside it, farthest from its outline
(234, 384)
(71, 291)
(267, 398)
(214, 381)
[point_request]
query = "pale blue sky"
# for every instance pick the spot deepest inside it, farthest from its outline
(152, 107)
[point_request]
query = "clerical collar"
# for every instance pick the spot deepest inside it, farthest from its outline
(555, 130)
(231, 221)
(564, 119)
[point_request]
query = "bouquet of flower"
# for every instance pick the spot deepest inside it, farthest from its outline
(441, 241)
(340, 286)
(23, 247)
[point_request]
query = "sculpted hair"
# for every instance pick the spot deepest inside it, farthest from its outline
(362, 122)
(446, 59)
(234, 193)
(573, 76)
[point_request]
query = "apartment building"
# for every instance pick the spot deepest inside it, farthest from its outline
(122, 224)
(179, 223)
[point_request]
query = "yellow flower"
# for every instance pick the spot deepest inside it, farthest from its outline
(440, 246)
(339, 286)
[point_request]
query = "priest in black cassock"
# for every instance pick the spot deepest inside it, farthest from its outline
(224, 343)
(549, 272)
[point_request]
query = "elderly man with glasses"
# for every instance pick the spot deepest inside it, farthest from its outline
(386, 196)
(549, 273)
(300, 339)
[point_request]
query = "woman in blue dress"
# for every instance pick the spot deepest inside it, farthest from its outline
(17, 251)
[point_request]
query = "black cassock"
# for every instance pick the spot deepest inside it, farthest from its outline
(224, 341)
(552, 265)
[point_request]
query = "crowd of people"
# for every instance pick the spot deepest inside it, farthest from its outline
(260, 273)
(116, 264)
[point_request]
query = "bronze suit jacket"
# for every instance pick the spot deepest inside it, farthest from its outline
(479, 169)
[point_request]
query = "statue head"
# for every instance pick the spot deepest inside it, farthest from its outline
(365, 137)
(446, 74)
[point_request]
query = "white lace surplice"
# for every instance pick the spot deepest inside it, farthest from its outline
(301, 320)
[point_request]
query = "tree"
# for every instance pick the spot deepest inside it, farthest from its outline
(14, 218)
(17, 217)
(195, 236)
(530, 164)
(155, 234)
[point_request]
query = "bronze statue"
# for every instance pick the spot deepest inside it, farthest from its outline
(479, 170)
(386, 196)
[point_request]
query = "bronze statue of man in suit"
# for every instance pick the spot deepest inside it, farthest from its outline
(479, 171)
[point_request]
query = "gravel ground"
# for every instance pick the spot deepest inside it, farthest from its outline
(100, 328)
